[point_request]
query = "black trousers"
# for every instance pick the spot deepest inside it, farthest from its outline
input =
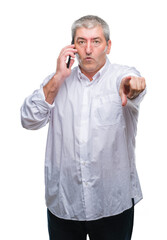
(117, 227)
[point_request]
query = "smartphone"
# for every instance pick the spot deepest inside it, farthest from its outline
(69, 58)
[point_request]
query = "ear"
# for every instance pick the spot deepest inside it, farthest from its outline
(109, 46)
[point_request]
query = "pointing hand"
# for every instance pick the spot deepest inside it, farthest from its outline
(131, 87)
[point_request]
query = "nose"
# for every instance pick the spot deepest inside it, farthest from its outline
(88, 48)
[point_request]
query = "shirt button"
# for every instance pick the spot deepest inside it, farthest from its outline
(85, 182)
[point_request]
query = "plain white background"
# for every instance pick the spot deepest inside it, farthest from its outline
(32, 34)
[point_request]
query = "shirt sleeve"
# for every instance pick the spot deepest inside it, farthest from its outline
(131, 71)
(35, 111)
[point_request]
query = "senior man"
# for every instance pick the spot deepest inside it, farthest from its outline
(90, 174)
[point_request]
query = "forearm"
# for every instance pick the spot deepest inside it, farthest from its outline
(51, 88)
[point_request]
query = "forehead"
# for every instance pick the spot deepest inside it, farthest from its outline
(86, 33)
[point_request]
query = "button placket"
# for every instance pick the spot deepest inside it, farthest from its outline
(83, 139)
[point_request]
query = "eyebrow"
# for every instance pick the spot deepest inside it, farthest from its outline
(81, 38)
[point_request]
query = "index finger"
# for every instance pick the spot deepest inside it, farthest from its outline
(126, 80)
(68, 48)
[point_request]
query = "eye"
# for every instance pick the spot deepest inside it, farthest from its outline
(82, 42)
(96, 42)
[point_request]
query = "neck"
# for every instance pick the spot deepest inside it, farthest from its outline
(88, 75)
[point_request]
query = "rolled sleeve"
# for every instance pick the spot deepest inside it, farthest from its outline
(35, 111)
(39, 99)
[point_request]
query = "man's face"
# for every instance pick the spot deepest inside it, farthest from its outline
(91, 49)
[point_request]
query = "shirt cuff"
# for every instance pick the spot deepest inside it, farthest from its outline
(39, 99)
(138, 99)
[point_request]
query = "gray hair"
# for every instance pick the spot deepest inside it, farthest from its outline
(91, 21)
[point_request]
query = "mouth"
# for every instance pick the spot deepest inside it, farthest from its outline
(88, 59)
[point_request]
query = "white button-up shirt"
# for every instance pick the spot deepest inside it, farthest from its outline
(90, 169)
